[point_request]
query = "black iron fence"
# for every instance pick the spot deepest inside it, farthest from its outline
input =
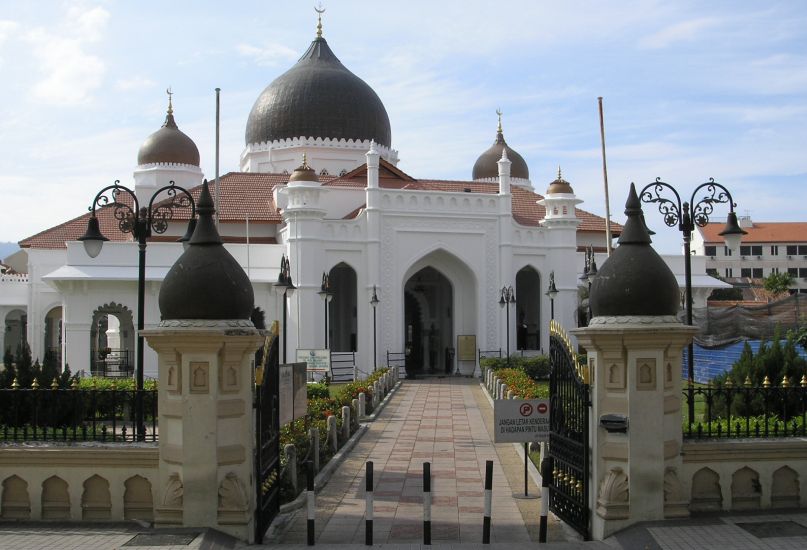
(113, 363)
(732, 411)
(108, 415)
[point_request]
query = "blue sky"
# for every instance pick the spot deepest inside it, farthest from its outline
(692, 90)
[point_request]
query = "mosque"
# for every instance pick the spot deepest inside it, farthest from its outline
(380, 260)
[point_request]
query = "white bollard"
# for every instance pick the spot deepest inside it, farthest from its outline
(346, 422)
(362, 404)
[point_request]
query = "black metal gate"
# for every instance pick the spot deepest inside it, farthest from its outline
(570, 405)
(267, 435)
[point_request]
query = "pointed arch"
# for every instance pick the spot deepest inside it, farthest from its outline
(342, 310)
(528, 308)
(112, 340)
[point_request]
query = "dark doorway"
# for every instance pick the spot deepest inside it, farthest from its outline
(428, 322)
(528, 309)
(342, 309)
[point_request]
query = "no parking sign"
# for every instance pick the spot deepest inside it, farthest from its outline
(520, 420)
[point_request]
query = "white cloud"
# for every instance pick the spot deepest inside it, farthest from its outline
(134, 83)
(71, 73)
(685, 31)
(269, 55)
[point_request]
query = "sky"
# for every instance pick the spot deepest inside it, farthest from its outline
(692, 90)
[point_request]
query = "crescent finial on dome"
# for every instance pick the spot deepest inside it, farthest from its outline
(320, 10)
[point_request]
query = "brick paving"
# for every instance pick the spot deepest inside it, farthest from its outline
(442, 421)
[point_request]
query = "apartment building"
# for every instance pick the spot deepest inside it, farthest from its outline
(769, 247)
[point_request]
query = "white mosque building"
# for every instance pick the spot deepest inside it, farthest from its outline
(319, 184)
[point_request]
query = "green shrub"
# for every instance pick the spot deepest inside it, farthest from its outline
(536, 367)
(522, 385)
(317, 391)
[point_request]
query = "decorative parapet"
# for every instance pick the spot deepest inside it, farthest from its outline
(424, 202)
(391, 155)
(14, 278)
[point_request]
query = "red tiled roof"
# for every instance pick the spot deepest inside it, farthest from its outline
(245, 194)
(762, 232)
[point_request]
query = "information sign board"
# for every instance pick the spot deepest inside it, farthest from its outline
(520, 420)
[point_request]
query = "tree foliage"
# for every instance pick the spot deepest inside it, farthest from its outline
(778, 283)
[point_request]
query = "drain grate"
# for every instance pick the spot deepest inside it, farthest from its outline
(161, 539)
(771, 529)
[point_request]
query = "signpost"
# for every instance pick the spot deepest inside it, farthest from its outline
(521, 421)
(318, 363)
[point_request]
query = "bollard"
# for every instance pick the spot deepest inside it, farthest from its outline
(427, 503)
(355, 410)
(546, 481)
(313, 436)
(332, 434)
(488, 501)
(510, 394)
(362, 405)
(368, 505)
(346, 422)
(503, 392)
(312, 503)
(291, 464)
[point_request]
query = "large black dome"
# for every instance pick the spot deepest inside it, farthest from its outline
(318, 97)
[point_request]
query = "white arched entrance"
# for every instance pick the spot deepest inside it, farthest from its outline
(440, 303)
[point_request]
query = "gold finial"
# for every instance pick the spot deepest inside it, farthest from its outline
(785, 382)
(74, 385)
(499, 113)
(15, 385)
(305, 163)
(747, 383)
(729, 383)
(35, 384)
(804, 380)
(767, 382)
(560, 176)
(320, 10)
(55, 384)
(170, 103)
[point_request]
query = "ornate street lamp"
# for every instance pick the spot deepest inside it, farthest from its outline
(374, 302)
(686, 216)
(327, 297)
(589, 272)
(552, 293)
(507, 296)
(286, 287)
(140, 222)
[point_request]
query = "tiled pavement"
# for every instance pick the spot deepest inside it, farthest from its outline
(441, 421)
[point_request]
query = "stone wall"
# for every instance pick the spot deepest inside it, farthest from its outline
(70, 483)
(745, 474)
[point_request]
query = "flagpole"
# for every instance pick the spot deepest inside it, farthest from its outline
(605, 180)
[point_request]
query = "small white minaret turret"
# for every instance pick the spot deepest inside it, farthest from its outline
(504, 174)
(560, 202)
(372, 166)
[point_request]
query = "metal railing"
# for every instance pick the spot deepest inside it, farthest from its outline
(747, 411)
(113, 363)
(108, 415)
(343, 366)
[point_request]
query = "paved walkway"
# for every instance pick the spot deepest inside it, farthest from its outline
(443, 421)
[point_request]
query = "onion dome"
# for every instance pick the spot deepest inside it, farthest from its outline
(206, 282)
(560, 185)
(304, 173)
(168, 144)
(318, 98)
(486, 165)
(634, 280)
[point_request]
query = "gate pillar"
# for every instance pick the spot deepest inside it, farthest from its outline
(205, 343)
(633, 345)
(636, 436)
(206, 425)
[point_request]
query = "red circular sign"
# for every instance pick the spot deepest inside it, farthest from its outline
(525, 409)
(542, 408)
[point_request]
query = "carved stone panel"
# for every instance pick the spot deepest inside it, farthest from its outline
(614, 376)
(645, 374)
(173, 380)
(613, 501)
(200, 377)
(229, 379)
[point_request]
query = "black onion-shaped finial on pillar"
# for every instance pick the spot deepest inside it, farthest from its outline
(634, 280)
(206, 282)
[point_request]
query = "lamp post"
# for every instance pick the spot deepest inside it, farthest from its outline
(140, 222)
(552, 293)
(327, 296)
(507, 297)
(374, 302)
(686, 216)
(285, 287)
